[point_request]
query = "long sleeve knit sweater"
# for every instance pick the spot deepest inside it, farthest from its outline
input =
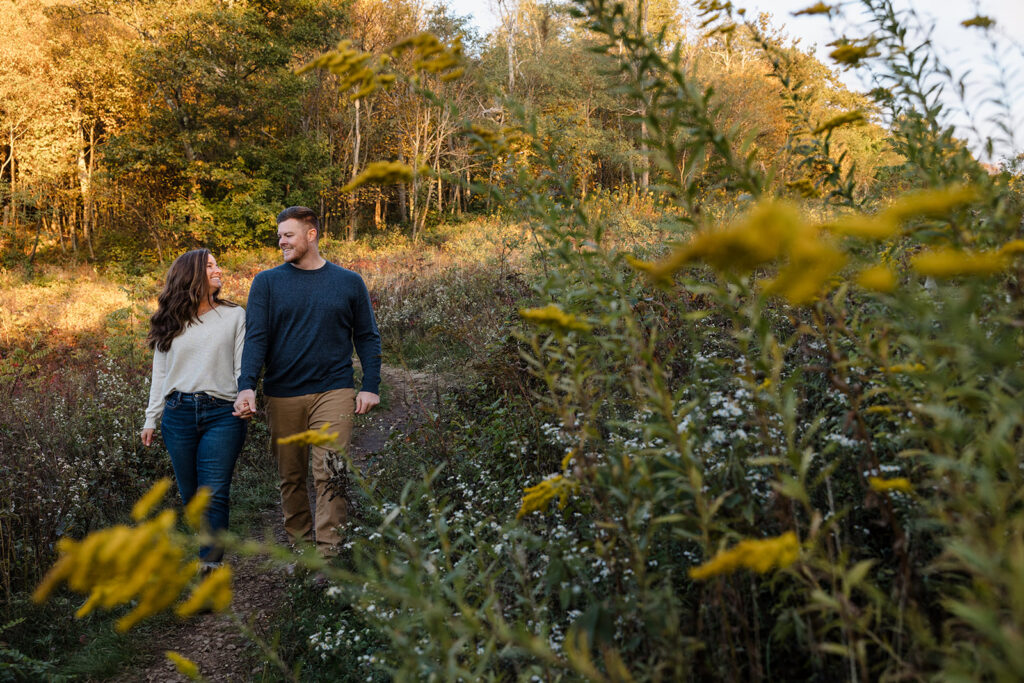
(302, 326)
(206, 357)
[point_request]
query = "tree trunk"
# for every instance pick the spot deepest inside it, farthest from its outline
(353, 215)
(85, 172)
(403, 191)
(14, 188)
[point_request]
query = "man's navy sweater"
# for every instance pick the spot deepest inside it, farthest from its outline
(302, 325)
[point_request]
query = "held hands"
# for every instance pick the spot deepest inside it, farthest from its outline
(245, 404)
(365, 401)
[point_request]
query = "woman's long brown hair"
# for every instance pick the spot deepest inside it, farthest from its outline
(178, 304)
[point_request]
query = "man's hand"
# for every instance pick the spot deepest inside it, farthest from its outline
(366, 400)
(147, 436)
(245, 404)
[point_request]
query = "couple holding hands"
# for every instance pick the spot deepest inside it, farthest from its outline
(302, 322)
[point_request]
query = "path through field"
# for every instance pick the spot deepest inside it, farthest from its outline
(214, 641)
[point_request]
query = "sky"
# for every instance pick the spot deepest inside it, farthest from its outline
(963, 50)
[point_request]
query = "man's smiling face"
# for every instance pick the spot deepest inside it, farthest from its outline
(294, 237)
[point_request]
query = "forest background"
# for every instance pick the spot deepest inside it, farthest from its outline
(530, 162)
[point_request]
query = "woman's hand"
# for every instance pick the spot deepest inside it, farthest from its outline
(147, 436)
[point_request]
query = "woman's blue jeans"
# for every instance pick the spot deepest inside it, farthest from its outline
(204, 440)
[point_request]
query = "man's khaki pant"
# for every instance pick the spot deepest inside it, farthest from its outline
(295, 414)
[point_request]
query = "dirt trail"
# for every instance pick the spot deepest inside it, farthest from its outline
(213, 641)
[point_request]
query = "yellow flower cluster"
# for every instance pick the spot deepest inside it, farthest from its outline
(554, 317)
(195, 508)
(905, 368)
(851, 117)
(816, 8)
(213, 593)
(901, 484)
(850, 54)
(979, 21)
(502, 141)
(760, 555)
(771, 231)
(433, 56)
(354, 68)
(924, 203)
(877, 279)
(537, 497)
(143, 563)
(185, 666)
(311, 437)
(381, 173)
(946, 262)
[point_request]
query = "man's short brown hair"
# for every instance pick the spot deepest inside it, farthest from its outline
(302, 213)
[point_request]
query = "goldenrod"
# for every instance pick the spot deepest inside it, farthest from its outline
(901, 484)
(1012, 248)
(931, 203)
(149, 500)
(844, 119)
(185, 666)
(537, 497)
(946, 262)
(213, 593)
(905, 368)
(877, 279)
(760, 555)
(143, 564)
(880, 227)
(813, 264)
(817, 8)
(757, 239)
(979, 21)
(554, 317)
(197, 506)
(381, 173)
(312, 437)
(851, 55)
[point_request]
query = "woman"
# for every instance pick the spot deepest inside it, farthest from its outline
(197, 339)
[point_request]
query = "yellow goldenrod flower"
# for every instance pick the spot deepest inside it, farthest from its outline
(877, 279)
(880, 227)
(197, 506)
(946, 262)
(841, 120)
(554, 317)
(760, 555)
(537, 497)
(432, 55)
(119, 565)
(354, 69)
(851, 55)
(214, 593)
(757, 239)
(931, 203)
(149, 500)
(311, 437)
(979, 21)
(883, 410)
(905, 368)
(817, 8)
(1012, 248)
(381, 173)
(185, 666)
(901, 484)
(812, 266)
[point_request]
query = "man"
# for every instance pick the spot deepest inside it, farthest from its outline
(302, 321)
